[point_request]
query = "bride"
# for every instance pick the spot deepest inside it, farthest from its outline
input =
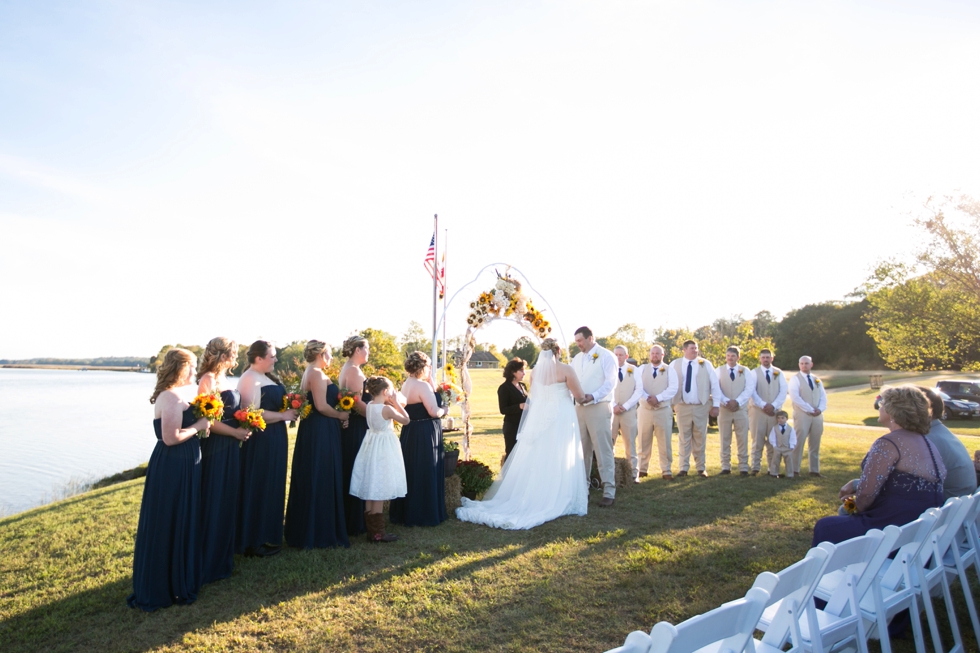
(544, 475)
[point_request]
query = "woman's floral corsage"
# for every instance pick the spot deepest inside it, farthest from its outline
(850, 505)
(209, 406)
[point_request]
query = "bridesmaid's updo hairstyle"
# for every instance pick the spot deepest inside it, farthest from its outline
(376, 385)
(513, 366)
(170, 370)
(550, 344)
(313, 349)
(260, 349)
(908, 407)
(416, 363)
(352, 344)
(218, 351)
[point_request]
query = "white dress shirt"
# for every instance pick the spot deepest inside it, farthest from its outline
(637, 386)
(794, 393)
(667, 395)
(780, 399)
(609, 365)
(693, 397)
(747, 391)
(792, 436)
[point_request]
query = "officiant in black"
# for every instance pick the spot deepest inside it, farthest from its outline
(511, 397)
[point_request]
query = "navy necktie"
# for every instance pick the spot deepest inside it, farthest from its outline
(810, 381)
(731, 373)
(783, 429)
(655, 372)
(767, 377)
(687, 379)
(620, 374)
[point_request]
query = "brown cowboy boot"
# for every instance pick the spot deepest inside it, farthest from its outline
(376, 528)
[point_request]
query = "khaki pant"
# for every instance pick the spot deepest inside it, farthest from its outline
(692, 427)
(739, 421)
(659, 423)
(625, 424)
(807, 426)
(595, 427)
(762, 426)
(781, 454)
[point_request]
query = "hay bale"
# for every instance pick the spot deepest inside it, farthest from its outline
(623, 472)
(454, 494)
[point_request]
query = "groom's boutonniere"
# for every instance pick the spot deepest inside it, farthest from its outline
(740, 370)
(775, 372)
(816, 380)
(595, 357)
(701, 362)
(629, 370)
(663, 368)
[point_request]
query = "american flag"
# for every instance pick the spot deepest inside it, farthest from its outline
(430, 258)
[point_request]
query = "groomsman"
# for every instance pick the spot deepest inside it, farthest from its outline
(596, 371)
(697, 398)
(809, 403)
(626, 396)
(769, 395)
(737, 385)
(658, 385)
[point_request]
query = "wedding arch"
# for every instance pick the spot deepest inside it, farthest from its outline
(508, 299)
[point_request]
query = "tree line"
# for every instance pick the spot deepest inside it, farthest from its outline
(922, 314)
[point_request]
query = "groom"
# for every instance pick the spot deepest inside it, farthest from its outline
(596, 370)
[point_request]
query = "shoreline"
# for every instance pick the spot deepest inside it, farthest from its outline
(78, 368)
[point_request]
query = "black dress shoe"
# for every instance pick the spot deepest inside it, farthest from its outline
(704, 474)
(270, 550)
(682, 473)
(817, 474)
(726, 471)
(743, 473)
(643, 474)
(755, 472)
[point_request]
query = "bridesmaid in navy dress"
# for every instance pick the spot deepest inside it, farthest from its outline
(315, 512)
(262, 498)
(167, 555)
(421, 440)
(356, 350)
(220, 463)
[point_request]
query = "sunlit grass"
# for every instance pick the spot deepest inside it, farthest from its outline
(666, 550)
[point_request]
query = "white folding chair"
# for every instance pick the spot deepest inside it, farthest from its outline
(788, 590)
(893, 589)
(962, 555)
(840, 622)
(929, 572)
(726, 629)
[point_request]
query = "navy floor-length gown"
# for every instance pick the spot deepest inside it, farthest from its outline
(167, 555)
(425, 471)
(351, 439)
(262, 500)
(220, 472)
(315, 512)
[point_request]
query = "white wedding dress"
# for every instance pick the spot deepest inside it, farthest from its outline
(544, 476)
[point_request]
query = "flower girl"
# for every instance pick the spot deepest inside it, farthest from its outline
(379, 470)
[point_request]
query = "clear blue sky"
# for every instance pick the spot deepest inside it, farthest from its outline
(152, 152)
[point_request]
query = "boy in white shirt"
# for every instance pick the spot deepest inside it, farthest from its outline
(782, 437)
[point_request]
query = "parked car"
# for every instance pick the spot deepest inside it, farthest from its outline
(964, 389)
(952, 408)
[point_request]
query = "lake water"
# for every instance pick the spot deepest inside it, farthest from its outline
(62, 427)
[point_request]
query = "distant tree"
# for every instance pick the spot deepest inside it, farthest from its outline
(386, 357)
(764, 324)
(671, 340)
(524, 348)
(630, 336)
(834, 334)
(414, 339)
(952, 251)
(155, 361)
(924, 322)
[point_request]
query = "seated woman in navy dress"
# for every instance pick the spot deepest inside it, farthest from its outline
(262, 497)
(220, 462)
(902, 475)
(167, 555)
(315, 513)
(425, 471)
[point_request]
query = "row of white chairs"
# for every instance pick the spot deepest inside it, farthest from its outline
(864, 581)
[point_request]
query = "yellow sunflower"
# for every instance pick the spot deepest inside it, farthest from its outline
(346, 403)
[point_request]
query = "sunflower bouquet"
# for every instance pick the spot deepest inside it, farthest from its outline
(209, 406)
(299, 403)
(250, 419)
(345, 400)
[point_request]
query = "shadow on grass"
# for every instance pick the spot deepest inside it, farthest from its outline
(99, 619)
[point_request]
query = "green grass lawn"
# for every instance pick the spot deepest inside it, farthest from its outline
(666, 550)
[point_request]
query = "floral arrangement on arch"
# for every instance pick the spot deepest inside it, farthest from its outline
(450, 390)
(507, 300)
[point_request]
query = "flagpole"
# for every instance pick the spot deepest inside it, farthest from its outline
(445, 293)
(435, 292)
